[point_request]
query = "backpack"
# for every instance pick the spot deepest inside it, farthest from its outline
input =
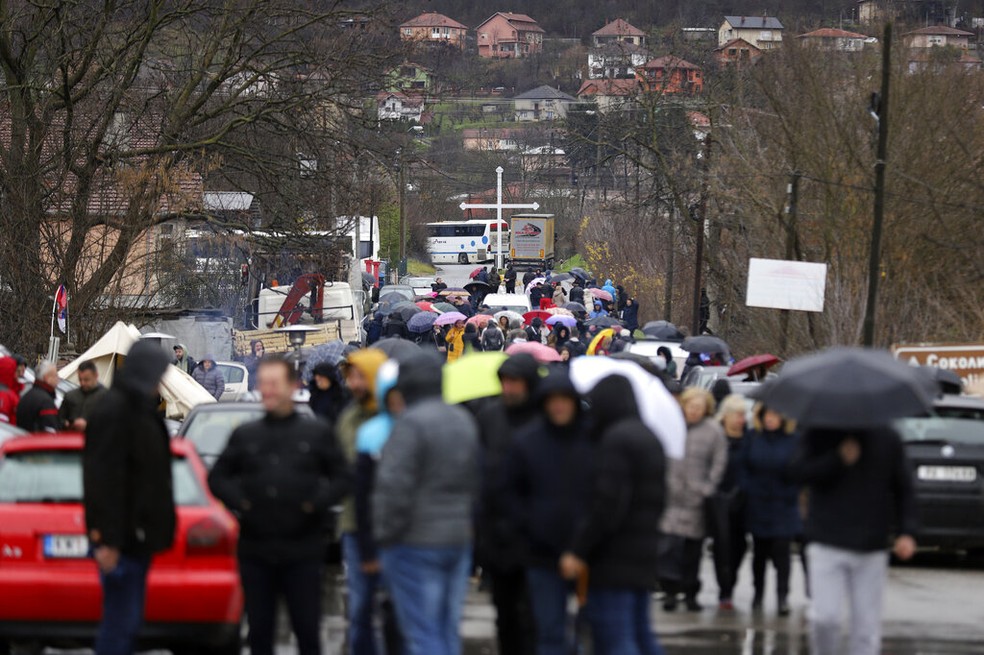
(492, 339)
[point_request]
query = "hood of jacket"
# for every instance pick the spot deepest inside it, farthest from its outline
(420, 378)
(557, 382)
(368, 361)
(374, 433)
(612, 400)
(143, 369)
(8, 373)
(523, 367)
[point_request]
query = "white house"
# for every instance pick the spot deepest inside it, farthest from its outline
(764, 32)
(544, 103)
(395, 106)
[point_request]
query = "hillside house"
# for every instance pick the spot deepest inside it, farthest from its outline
(544, 103)
(834, 40)
(938, 36)
(765, 32)
(491, 139)
(610, 95)
(671, 75)
(398, 106)
(615, 61)
(434, 28)
(509, 36)
(410, 78)
(738, 53)
(618, 31)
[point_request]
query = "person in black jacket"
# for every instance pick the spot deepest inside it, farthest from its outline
(36, 411)
(281, 475)
(550, 469)
(510, 278)
(618, 541)
(129, 503)
(328, 394)
(499, 551)
(860, 492)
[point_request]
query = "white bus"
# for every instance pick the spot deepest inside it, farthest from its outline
(466, 242)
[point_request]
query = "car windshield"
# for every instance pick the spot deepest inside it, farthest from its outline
(942, 429)
(210, 430)
(231, 374)
(55, 476)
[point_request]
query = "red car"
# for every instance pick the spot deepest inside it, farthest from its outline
(49, 587)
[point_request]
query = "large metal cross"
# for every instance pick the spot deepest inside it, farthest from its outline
(499, 206)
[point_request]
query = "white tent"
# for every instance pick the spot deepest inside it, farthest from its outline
(178, 389)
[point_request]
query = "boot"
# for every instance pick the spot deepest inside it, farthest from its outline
(784, 609)
(757, 601)
(670, 602)
(692, 604)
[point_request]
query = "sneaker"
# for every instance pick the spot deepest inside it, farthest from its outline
(726, 605)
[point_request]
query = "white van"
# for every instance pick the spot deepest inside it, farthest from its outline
(516, 302)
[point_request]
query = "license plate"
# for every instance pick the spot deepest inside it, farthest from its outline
(58, 546)
(947, 473)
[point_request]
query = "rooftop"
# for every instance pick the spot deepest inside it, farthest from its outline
(433, 19)
(608, 87)
(669, 61)
(522, 21)
(619, 27)
(939, 30)
(545, 92)
(755, 22)
(736, 42)
(831, 33)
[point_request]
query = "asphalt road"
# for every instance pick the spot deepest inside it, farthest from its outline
(456, 275)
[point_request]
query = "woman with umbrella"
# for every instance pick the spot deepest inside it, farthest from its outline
(772, 501)
(690, 482)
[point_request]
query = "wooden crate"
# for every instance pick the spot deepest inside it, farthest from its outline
(279, 342)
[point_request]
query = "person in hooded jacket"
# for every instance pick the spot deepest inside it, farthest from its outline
(427, 484)
(207, 374)
(617, 543)
(599, 311)
(128, 497)
(395, 327)
(252, 361)
(493, 338)
(772, 500)
(455, 340)
(375, 330)
(9, 390)
(536, 294)
(559, 337)
(360, 370)
(548, 493)
(281, 475)
(671, 365)
(499, 550)
(471, 339)
(328, 394)
(609, 286)
(559, 295)
(630, 314)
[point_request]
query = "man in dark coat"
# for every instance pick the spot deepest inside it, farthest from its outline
(281, 475)
(510, 279)
(36, 411)
(78, 404)
(618, 539)
(528, 277)
(577, 292)
(551, 464)
(630, 314)
(129, 503)
(536, 294)
(500, 552)
(208, 375)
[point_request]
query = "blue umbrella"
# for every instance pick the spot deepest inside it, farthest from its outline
(567, 321)
(422, 322)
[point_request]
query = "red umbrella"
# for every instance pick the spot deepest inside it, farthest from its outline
(536, 313)
(426, 306)
(474, 274)
(540, 352)
(480, 320)
(601, 294)
(753, 362)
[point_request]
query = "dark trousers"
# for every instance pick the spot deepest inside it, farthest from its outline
(729, 553)
(620, 622)
(689, 582)
(300, 585)
(514, 616)
(778, 551)
(548, 596)
(124, 589)
(510, 286)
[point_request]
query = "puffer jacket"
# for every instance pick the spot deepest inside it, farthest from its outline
(694, 479)
(211, 380)
(771, 497)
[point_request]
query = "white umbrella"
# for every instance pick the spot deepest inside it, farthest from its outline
(533, 283)
(510, 315)
(659, 410)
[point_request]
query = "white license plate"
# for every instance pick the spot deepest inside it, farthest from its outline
(57, 546)
(947, 473)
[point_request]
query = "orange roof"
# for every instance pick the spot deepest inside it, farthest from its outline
(523, 22)
(669, 61)
(608, 88)
(433, 19)
(831, 33)
(619, 27)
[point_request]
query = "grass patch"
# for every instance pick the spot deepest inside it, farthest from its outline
(421, 269)
(573, 262)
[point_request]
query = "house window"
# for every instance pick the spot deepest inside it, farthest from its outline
(308, 165)
(765, 35)
(407, 31)
(435, 32)
(732, 52)
(447, 31)
(936, 40)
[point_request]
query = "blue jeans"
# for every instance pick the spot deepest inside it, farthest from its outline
(429, 585)
(620, 622)
(124, 589)
(361, 594)
(548, 596)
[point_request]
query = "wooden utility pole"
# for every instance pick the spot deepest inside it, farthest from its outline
(874, 259)
(701, 228)
(792, 208)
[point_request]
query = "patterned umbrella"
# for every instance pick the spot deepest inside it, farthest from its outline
(450, 318)
(422, 322)
(479, 320)
(560, 311)
(444, 307)
(333, 352)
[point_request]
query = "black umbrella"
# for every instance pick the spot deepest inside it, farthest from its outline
(666, 331)
(406, 311)
(575, 307)
(581, 273)
(561, 277)
(398, 349)
(849, 388)
(604, 322)
(392, 297)
(705, 345)
(477, 287)
(948, 381)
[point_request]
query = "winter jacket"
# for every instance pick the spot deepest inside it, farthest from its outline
(211, 380)
(499, 546)
(186, 363)
(427, 481)
(329, 404)
(731, 481)
(36, 411)
(126, 471)
(619, 539)
(493, 339)
(598, 312)
(370, 440)
(559, 297)
(856, 507)
(9, 395)
(630, 316)
(252, 363)
(455, 338)
(395, 327)
(536, 293)
(368, 361)
(282, 476)
(79, 403)
(771, 498)
(471, 339)
(528, 277)
(576, 294)
(610, 288)
(549, 485)
(374, 332)
(693, 479)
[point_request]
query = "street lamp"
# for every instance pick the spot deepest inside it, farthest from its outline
(296, 336)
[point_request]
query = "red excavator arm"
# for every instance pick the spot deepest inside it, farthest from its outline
(291, 311)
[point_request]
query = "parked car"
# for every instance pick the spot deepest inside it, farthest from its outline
(705, 376)
(8, 431)
(50, 593)
(400, 289)
(421, 285)
(516, 302)
(208, 427)
(236, 378)
(946, 451)
(650, 347)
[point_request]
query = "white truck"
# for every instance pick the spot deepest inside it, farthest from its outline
(533, 241)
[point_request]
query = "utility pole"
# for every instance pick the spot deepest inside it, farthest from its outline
(880, 110)
(701, 227)
(792, 208)
(403, 217)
